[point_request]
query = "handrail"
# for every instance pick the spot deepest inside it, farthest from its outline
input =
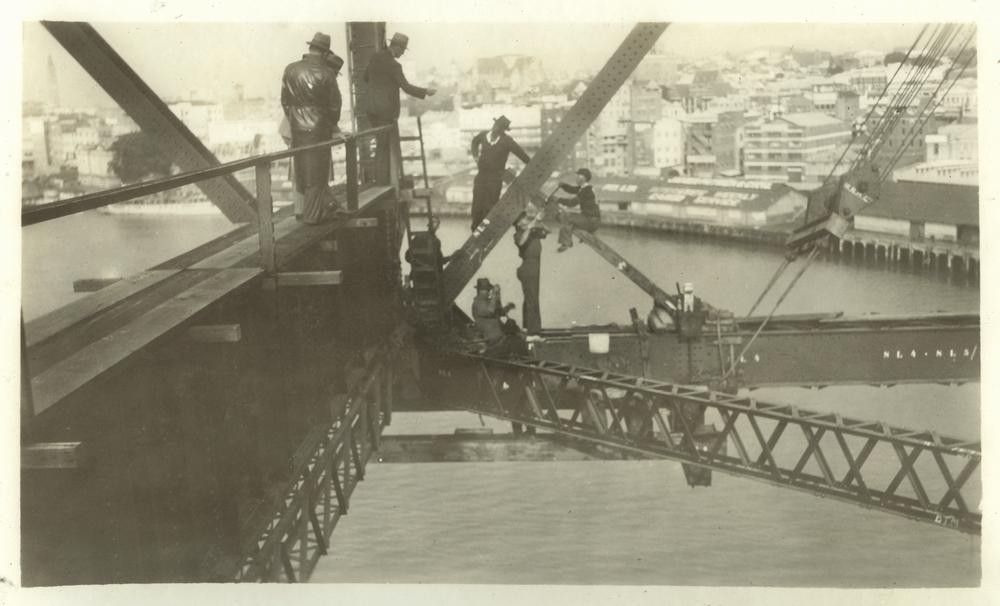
(78, 204)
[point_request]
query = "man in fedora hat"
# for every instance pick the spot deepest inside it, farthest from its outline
(491, 149)
(311, 101)
(384, 76)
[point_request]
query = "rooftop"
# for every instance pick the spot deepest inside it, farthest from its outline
(928, 202)
(811, 119)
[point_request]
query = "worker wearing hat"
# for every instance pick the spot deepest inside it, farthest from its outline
(491, 149)
(589, 216)
(311, 102)
(384, 76)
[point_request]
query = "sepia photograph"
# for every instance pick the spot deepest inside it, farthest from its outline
(523, 302)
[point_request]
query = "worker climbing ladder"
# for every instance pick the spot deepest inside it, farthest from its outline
(427, 306)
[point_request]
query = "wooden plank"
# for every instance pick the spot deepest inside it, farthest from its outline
(54, 455)
(291, 235)
(265, 217)
(309, 278)
(56, 321)
(364, 222)
(93, 284)
(247, 247)
(215, 333)
(101, 356)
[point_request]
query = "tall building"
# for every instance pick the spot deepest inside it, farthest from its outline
(793, 147)
(35, 154)
(713, 143)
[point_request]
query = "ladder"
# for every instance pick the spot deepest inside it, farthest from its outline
(426, 301)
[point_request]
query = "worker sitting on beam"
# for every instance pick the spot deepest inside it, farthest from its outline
(589, 217)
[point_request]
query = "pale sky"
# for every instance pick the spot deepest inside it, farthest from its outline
(176, 58)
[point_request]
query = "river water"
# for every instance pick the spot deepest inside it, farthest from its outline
(603, 522)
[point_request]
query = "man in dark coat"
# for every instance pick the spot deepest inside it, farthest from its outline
(491, 150)
(528, 234)
(311, 101)
(384, 76)
(590, 213)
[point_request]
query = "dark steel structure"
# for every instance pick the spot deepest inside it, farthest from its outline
(656, 418)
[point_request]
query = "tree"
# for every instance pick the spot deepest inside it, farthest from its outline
(135, 156)
(894, 57)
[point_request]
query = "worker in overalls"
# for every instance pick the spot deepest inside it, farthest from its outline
(491, 149)
(528, 234)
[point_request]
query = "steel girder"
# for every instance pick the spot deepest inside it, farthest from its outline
(653, 418)
(285, 543)
(803, 350)
(466, 261)
(152, 115)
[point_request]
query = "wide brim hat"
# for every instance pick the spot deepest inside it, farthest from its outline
(503, 122)
(483, 284)
(400, 40)
(320, 40)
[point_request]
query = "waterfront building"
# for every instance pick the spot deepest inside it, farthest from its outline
(793, 147)
(924, 211)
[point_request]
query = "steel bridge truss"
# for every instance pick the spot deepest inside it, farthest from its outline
(914, 475)
(325, 470)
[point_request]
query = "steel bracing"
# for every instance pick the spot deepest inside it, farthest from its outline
(916, 474)
(289, 539)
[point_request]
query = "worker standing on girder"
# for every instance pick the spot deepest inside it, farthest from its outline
(528, 234)
(384, 76)
(589, 217)
(311, 101)
(491, 149)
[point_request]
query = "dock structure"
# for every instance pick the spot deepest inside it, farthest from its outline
(208, 419)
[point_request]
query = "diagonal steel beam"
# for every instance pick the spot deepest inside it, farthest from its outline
(152, 115)
(467, 260)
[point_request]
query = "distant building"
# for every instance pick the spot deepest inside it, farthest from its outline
(197, 115)
(793, 147)
(713, 143)
(951, 155)
(35, 155)
(953, 142)
(93, 168)
(512, 73)
(924, 211)
(668, 144)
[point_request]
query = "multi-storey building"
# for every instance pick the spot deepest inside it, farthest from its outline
(793, 147)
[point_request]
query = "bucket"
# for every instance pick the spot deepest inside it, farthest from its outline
(600, 342)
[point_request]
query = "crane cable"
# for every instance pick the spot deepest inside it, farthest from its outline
(927, 111)
(871, 110)
(906, 96)
(812, 256)
(885, 124)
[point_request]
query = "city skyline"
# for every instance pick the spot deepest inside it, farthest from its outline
(257, 66)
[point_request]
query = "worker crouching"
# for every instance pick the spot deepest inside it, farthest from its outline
(589, 217)
(501, 335)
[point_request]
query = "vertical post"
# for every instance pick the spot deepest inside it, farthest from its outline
(265, 217)
(395, 162)
(27, 399)
(423, 158)
(351, 150)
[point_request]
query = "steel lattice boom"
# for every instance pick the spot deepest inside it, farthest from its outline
(662, 419)
(288, 542)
